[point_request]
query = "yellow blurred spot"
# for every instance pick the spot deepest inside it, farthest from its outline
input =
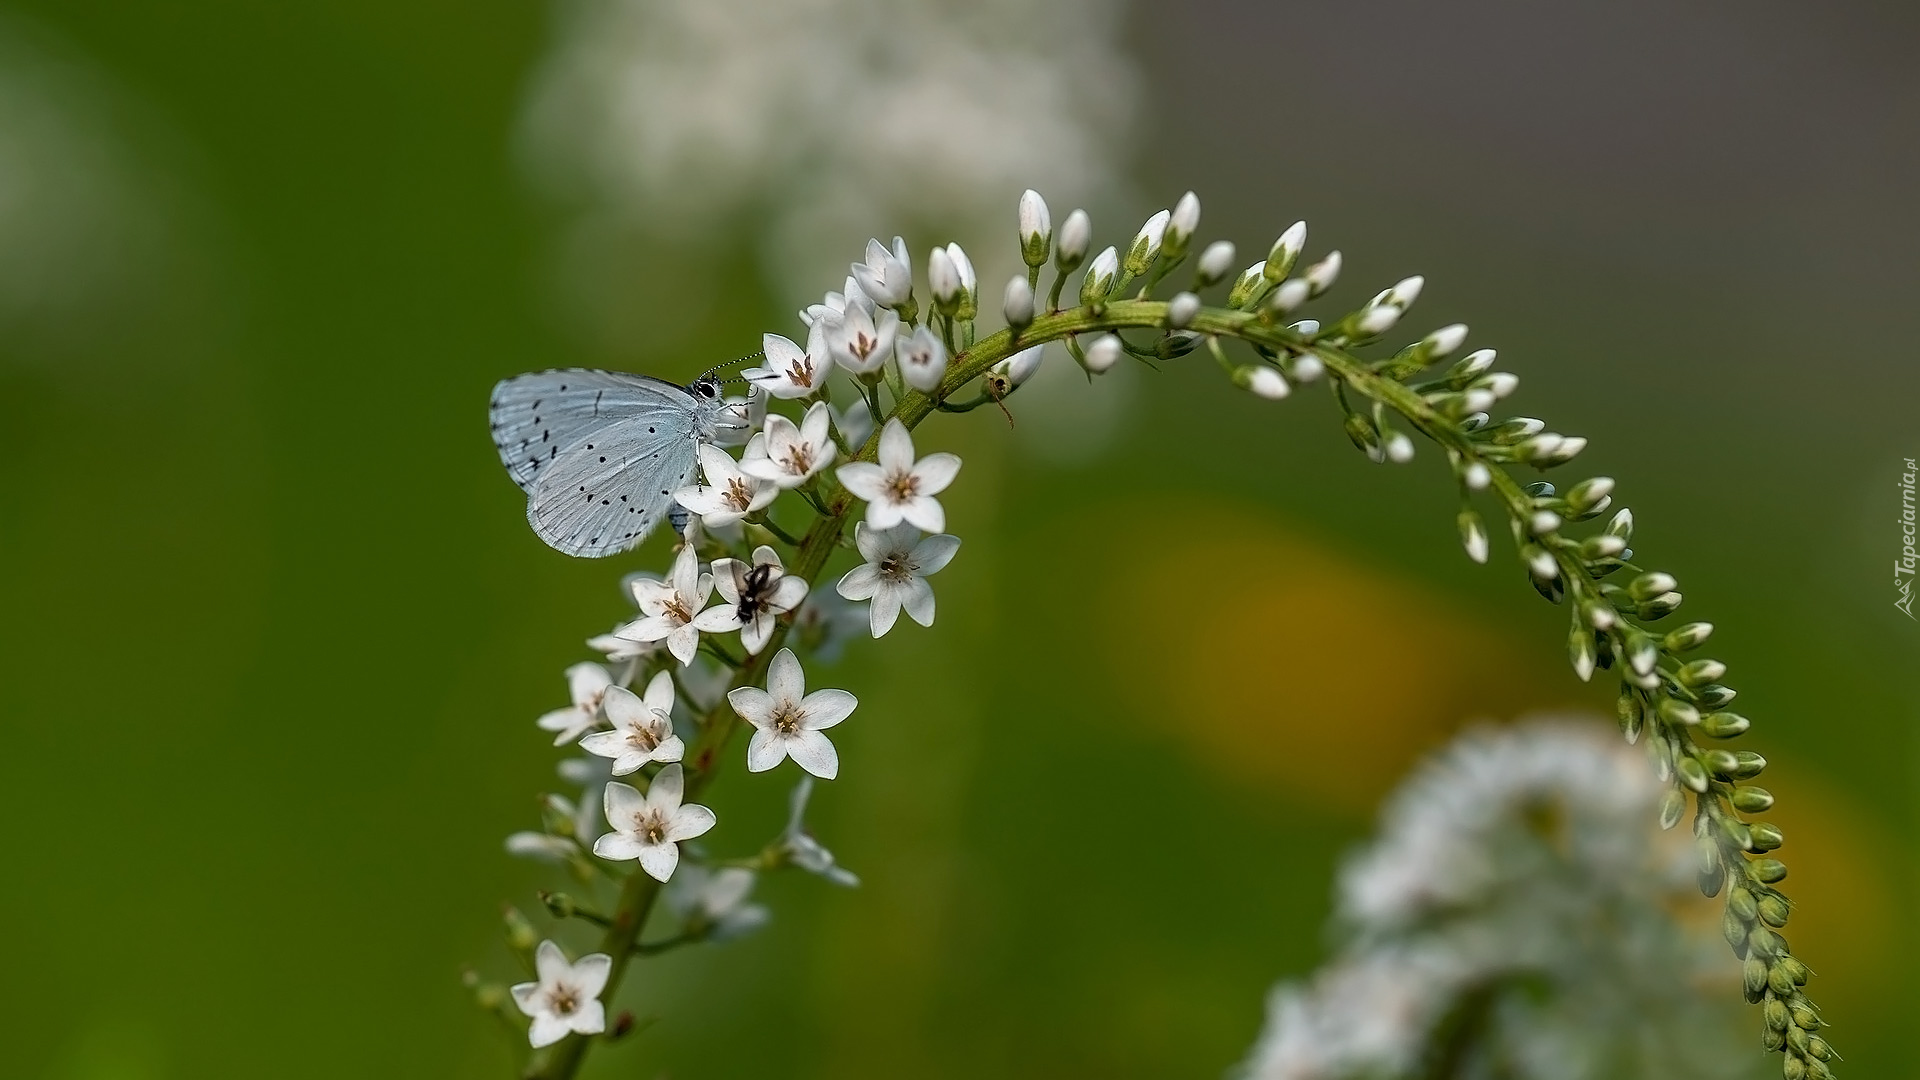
(1303, 671)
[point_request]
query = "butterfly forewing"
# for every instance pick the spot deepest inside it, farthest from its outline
(539, 417)
(605, 494)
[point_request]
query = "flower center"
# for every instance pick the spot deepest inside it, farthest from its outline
(896, 567)
(863, 344)
(676, 609)
(739, 495)
(643, 738)
(801, 371)
(563, 1000)
(786, 719)
(799, 459)
(651, 825)
(903, 485)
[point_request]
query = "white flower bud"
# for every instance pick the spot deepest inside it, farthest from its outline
(1476, 477)
(1215, 262)
(1500, 384)
(1543, 522)
(1103, 354)
(969, 284)
(1246, 286)
(1181, 310)
(1291, 294)
(1377, 319)
(1036, 228)
(1406, 292)
(1017, 306)
(1399, 448)
(1100, 274)
(1323, 274)
(1146, 244)
(1262, 380)
(923, 359)
(885, 277)
(1019, 367)
(1075, 236)
(1308, 367)
(943, 278)
(1285, 251)
(1305, 327)
(1442, 342)
(1184, 222)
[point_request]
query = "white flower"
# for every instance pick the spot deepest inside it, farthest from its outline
(923, 359)
(741, 418)
(860, 340)
(669, 606)
(802, 849)
(835, 303)
(650, 827)
(894, 575)
(567, 996)
(792, 455)
(790, 371)
(886, 276)
(587, 684)
(621, 650)
(713, 903)
(642, 728)
(789, 725)
(729, 494)
(756, 595)
(900, 488)
(854, 423)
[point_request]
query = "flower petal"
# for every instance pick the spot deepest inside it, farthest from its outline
(936, 471)
(751, 704)
(858, 583)
(658, 860)
(825, 708)
(618, 846)
(885, 611)
(917, 597)
(692, 820)
(765, 750)
(590, 974)
(814, 752)
(785, 680)
(622, 802)
(896, 446)
(931, 555)
(667, 789)
(864, 479)
(546, 1029)
(549, 963)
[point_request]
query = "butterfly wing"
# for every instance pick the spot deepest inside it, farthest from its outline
(605, 494)
(537, 417)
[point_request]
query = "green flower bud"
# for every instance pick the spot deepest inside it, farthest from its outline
(1649, 585)
(1715, 696)
(1779, 979)
(1724, 725)
(559, 904)
(1248, 287)
(1621, 525)
(1797, 1039)
(1795, 971)
(1706, 855)
(1771, 871)
(1752, 800)
(1762, 942)
(1803, 1015)
(1689, 636)
(1737, 832)
(1692, 773)
(1701, 672)
(1740, 901)
(1672, 805)
(1792, 1068)
(1767, 836)
(1772, 1039)
(1721, 762)
(1678, 713)
(1773, 911)
(521, 936)
(1775, 1013)
(1818, 1049)
(1473, 535)
(1753, 979)
(1602, 546)
(1580, 649)
(1750, 764)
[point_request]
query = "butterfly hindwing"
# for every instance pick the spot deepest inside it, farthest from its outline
(538, 417)
(604, 495)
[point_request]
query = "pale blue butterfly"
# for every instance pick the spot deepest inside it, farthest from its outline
(601, 453)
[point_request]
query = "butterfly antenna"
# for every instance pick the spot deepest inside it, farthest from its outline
(717, 368)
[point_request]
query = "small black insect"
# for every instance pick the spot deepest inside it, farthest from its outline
(756, 589)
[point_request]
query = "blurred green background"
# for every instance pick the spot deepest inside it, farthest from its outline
(277, 630)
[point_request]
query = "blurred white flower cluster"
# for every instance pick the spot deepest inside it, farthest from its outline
(808, 120)
(1516, 917)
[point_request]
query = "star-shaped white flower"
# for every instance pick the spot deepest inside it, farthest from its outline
(642, 727)
(787, 724)
(859, 339)
(792, 454)
(713, 902)
(886, 276)
(650, 827)
(756, 595)
(894, 575)
(923, 359)
(790, 371)
(567, 996)
(729, 494)
(669, 606)
(587, 684)
(900, 488)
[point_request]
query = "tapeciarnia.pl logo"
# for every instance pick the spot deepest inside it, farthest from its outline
(1903, 566)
